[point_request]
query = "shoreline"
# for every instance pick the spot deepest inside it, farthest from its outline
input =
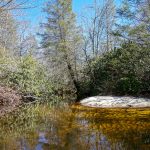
(10, 100)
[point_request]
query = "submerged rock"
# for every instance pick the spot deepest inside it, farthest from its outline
(114, 102)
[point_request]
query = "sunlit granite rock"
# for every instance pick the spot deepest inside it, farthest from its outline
(113, 102)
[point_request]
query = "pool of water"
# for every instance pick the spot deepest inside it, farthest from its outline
(76, 127)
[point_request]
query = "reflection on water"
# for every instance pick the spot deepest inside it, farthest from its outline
(76, 128)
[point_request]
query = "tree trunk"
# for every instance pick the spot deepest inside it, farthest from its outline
(72, 75)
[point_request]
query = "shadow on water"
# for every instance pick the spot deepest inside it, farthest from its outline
(41, 127)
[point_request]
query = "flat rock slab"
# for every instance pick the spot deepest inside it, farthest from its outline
(115, 102)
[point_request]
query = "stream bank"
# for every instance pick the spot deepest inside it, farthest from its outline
(9, 100)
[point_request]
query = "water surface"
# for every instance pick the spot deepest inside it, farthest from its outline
(41, 127)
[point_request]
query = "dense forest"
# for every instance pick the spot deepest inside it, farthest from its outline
(107, 52)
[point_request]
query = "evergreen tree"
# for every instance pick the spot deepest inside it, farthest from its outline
(59, 40)
(135, 25)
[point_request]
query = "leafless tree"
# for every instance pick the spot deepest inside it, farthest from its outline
(97, 28)
(15, 4)
(8, 33)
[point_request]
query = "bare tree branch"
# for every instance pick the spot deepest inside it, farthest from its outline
(6, 5)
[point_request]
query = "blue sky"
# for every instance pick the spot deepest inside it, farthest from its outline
(35, 15)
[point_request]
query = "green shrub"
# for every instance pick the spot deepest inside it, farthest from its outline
(27, 75)
(128, 85)
(125, 70)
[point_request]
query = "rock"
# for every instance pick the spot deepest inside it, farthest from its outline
(115, 102)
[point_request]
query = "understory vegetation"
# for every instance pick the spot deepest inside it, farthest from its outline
(122, 71)
(107, 53)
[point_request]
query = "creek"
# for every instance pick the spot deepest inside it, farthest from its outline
(76, 127)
